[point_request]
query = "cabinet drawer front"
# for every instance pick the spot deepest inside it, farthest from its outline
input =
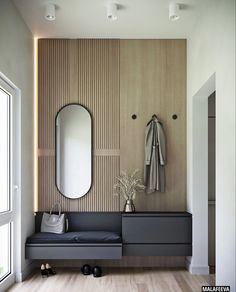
(157, 229)
(74, 252)
(157, 249)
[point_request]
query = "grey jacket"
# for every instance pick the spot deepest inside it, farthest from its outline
(155, 157)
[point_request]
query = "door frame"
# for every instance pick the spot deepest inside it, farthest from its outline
(14, 215)
(197, 195)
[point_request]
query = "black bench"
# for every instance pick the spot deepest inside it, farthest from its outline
(91, 235)
(109, 235)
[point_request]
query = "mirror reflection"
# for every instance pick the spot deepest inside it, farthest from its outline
(73, 151)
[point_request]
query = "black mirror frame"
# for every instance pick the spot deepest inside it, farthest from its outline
(55, 147)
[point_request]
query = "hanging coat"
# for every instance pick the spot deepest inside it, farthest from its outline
(155, 157)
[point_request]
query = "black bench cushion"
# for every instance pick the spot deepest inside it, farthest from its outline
(75, 237)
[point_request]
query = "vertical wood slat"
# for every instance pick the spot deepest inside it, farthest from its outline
(54, 91)
(98, 79)
(85, 72)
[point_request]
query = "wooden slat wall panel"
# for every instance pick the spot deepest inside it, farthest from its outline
(136, 76)
(100, 198)
(85, 72)
(53, 87)
(98, 89)
(48, 193)
(153, 81)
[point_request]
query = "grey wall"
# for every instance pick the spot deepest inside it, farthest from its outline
(16, 62)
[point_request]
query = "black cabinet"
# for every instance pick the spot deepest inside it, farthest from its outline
(157, 233)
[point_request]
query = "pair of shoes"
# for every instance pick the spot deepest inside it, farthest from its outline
(46, 270)
(87, 270)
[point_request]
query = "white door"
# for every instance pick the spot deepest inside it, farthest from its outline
(7, 184)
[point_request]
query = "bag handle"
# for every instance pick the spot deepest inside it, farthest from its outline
(58, 207)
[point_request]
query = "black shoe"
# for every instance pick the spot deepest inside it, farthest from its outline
(44, 272)
(97, 271)
(50, 270)
(86, 270)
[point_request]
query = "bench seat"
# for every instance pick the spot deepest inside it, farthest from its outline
(91, 235)
(75, 237)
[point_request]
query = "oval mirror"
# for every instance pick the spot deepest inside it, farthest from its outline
(73, 151)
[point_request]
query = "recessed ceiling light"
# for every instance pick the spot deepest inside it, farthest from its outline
(173, 11)
(50, 12)
(112, 11)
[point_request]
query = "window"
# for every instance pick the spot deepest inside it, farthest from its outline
(4, 151)
(9, 173)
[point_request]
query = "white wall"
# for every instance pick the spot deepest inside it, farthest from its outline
(16, 62)
(211, 49)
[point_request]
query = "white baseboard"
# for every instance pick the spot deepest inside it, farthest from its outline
(22, 275)
(197, 270)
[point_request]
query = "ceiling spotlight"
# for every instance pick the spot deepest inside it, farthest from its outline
(50, 12)
(173, 11)
(112, 11)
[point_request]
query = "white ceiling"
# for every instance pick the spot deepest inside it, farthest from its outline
(87, 19)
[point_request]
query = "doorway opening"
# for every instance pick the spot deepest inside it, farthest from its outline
(198, 178)
(211, 180)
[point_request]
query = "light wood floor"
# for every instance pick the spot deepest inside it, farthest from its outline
(116, 280)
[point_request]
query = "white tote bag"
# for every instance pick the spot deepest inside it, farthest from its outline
(53, 223)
